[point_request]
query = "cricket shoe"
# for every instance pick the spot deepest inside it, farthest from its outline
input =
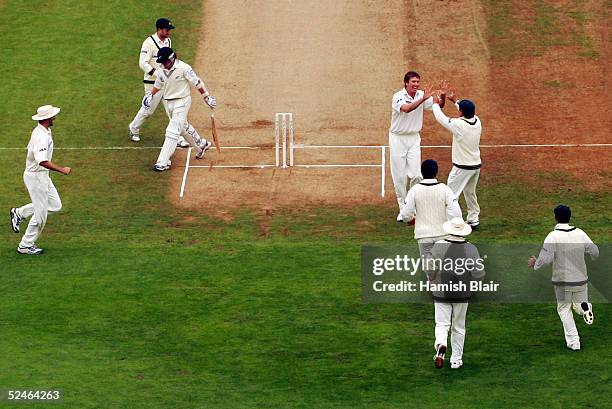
(574, 346)
(400, 219)
(182, 143)
(474, 225)
(439, 356)
(587, 312)
(456, 364)
(160, 168)
(15, 220)
(203, 148)
(32, 250)
(134, 137)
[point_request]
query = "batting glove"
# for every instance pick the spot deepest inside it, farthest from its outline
(146, 101)
(210, 101)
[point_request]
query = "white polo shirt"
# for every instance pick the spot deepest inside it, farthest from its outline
(148, 55)
(176, 81)
(403, 123)
(40, 149)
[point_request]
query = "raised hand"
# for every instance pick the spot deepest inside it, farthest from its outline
(428, 91)
(444, 87)
(447, 91)
(451, 94)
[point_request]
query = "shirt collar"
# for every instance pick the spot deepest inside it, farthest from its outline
(45, 130)
(406, 94)
(158, 40)
(563, 226)
(434, 180)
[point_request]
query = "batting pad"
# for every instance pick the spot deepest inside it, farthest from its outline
(167, 150)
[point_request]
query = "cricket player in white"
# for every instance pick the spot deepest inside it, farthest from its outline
(451, 305)
(175, 80)
(433, 204)
(466, 131)
(565, 248)
(404, 138)
(148, 64)
(45, 198)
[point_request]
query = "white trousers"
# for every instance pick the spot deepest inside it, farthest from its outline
(177, 111)
(465, 180)
(569, 298)
(405, 155)
(451, 316)
(143, 113)
(45, 200)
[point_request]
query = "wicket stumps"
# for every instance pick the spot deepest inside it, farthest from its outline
(283, 121)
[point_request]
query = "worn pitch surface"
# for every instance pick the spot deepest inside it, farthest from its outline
(335, 65)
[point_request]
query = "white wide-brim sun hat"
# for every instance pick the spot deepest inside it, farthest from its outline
(45, 112)
(457, 227)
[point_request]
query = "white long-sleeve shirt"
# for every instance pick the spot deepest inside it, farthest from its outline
(40, 149)
(565, 248)
(176, 81)
(433, 203)
(466, 137)
(148, 55)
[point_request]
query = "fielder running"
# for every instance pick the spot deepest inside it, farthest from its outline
(432, 203)
(466, 131)
(175, 79)
(565, 248)
(45, 198)
(404, 138)
(147, 63)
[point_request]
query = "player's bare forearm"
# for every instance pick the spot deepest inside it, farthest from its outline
(442, 101)
(427, 93)
(154, 91)
(65, 170)
(412, 106)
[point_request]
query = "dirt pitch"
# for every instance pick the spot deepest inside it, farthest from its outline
(336, 64)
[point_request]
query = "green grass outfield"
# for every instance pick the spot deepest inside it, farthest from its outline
(137, 305)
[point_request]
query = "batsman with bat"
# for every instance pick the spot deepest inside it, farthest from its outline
(175, 79)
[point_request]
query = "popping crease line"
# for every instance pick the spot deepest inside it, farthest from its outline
(297, 146)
